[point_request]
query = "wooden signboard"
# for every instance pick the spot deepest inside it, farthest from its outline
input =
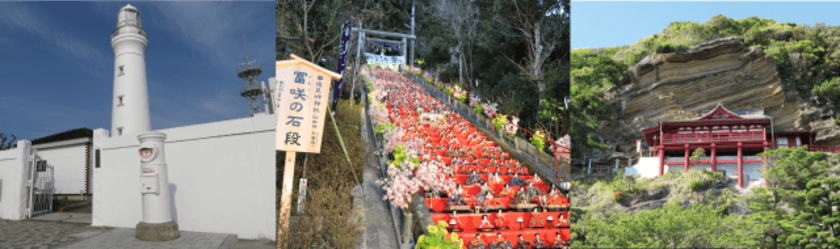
(302, 95)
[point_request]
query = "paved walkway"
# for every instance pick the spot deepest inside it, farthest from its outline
(379, 227)
(73, 230)
(124, 238)
(79, 218)
(43, 234)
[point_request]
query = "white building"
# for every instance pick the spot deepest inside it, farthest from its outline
(221, 174)
(70, 155)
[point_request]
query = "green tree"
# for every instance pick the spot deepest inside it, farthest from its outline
(769, 218)
(672, 226)
(807, 183)
(697, 154)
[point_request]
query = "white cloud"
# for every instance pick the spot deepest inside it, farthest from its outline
(211, 27)
(22, 17)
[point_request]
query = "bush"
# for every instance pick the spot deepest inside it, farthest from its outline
(499, 122)
(439, 238)
(716, 176)
(695, 184)
(537, 141)
(462, 99)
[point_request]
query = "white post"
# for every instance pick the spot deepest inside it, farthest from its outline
(157, 223)
(616, 164)
(589, 170)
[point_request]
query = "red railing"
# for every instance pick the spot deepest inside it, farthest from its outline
(824, 148)
(714, 137)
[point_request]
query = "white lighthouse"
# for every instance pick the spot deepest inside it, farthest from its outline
(130, 113)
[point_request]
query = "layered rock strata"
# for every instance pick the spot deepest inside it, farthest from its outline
(681, 85)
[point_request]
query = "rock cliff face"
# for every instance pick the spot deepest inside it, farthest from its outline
(681, 85)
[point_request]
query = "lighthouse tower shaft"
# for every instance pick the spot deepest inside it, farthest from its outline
(130, 113)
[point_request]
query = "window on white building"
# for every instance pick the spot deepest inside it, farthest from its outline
(121, 71)
(782, 142)
(121, 100)
(119, 131)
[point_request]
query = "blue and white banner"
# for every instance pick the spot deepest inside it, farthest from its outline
(342, 58)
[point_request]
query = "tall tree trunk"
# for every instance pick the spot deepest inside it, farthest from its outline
(536, 62)
(460, 64)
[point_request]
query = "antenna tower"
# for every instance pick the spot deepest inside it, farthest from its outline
(249, 72)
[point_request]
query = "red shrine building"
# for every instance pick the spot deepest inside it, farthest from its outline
(731, 141)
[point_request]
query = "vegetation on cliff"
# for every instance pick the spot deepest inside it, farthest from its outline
(796, 209)
(807, 57)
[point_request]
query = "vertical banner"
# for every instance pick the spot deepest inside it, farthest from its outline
(638, 146)
(342, 58)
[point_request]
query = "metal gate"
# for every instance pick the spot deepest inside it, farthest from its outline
(40, 186)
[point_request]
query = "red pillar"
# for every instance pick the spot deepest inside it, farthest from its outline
(740, 165)
(714, 161)
(686, 158)
(661, 160)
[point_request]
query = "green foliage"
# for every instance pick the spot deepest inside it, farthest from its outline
(370, 86)
(400, 157)
(499, 121)
(537, 140)
(697, 226)
(695, 184)
(803, 181)
(697, 154)
(448, 91)
(591, 74)
(439, 238)
(383, 128)
(829, 89)
(714, 176)
(462, 99)
(478, 109)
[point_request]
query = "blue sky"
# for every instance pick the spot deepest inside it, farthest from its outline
(610, 24)
(57, 63)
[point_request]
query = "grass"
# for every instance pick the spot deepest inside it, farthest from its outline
(326, 220)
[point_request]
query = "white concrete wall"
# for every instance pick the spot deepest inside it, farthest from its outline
(647, 167)
(702, 166)
(12, 181)
(221, 176)
(69, 163)
(753, 170)
(731, 169)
